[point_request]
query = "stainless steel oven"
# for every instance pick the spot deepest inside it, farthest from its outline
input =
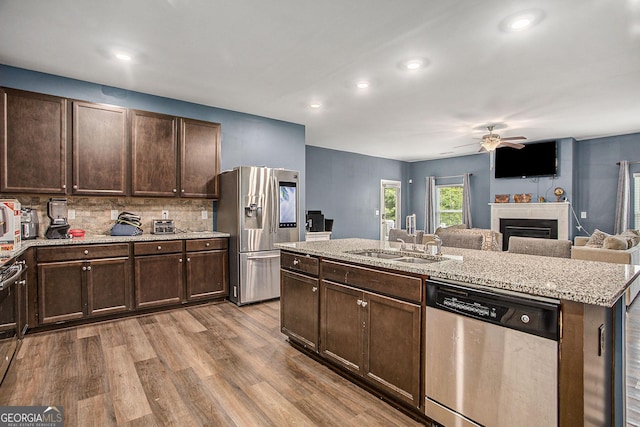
(491, 358)
(11, 280)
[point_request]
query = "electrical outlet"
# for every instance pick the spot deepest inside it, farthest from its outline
(583, 215)
(114, 214)
(71, 214)
(204, 214)
(165, 214)
(377, 212)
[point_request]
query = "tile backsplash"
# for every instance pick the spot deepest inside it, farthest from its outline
(93, 214)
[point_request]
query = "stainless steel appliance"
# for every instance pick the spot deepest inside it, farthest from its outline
(58, 213)
(164, 226)
(258, 207)
(491, 358)
(10, 281)
(29, 223)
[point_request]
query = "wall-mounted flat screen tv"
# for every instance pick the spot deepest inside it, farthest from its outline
(537, 159)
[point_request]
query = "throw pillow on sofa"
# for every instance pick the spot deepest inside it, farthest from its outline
(632, 236)
(618, 243)
(597, 239)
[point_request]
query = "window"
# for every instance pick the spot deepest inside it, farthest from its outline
(636, 200)
(448, 205)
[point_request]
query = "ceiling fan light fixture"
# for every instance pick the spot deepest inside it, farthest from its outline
(363, 84)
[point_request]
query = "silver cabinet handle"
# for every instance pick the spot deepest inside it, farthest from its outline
(364, 304)
(188, 259)
(75, 187)
(159, 247)
(64, 186)
(84, 268)
(314, 289)
(86, 252)
(180, 260)
(89, 268)
(22, 282)
(182, 190)
(296, 261)
(207, 244)
(359, 302)
(175, 190)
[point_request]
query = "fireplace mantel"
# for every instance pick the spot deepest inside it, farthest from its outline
(550, 210)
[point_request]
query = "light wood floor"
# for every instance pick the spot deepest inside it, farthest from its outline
(213, 365)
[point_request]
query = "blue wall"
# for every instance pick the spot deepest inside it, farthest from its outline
(246, 139)
(346, 187)
(597, 178)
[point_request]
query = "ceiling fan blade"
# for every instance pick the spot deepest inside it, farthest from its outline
(483, 150)
(513, 138)
(511, 144)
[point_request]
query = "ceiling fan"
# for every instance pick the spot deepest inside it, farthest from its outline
(491, 141)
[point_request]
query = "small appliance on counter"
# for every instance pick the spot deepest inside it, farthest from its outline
(163, 226)
(57, 212)
(30, 225)
(10, 238)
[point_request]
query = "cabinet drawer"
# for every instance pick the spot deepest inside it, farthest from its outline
(205, 244)
(159, 247)
(297, 262)
(392, 284)
(80, 252)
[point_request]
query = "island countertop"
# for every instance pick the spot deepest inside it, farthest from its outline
(587, 282)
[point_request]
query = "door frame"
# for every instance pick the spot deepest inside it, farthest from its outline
(384, 184)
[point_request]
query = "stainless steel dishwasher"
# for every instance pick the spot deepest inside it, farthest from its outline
(491, 358)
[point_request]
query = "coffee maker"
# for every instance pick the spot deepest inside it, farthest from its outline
(29, 223)
(57, 213)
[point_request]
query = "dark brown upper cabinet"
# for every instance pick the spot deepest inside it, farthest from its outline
(100, 141)
(200, 158)
(34, 142)
(154, 154)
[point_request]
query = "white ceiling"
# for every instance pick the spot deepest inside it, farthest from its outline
(575, 74)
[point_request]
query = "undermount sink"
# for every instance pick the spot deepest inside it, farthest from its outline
(396, 257)
(416, 260)
(381, 255)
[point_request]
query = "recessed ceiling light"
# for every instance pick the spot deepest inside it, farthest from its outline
(315, 105)
(521, 21)
(412, 64)
(363, 84)
(123, 56)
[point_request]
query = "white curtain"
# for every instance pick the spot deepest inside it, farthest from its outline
(466, 201)
(622, 201)
(429, 206)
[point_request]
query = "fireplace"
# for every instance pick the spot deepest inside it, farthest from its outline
(523, 227)
(539, 213)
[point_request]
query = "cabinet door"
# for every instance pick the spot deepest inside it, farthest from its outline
(60, 291)
(34, 143)
(392, 346)
(200, 158)
(154, 151)
(341, 325)
(158, 280)
(207, 275)
(99, 149)
(108, 286)
(299, 298)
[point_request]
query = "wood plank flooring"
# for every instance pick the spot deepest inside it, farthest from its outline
(210, 365)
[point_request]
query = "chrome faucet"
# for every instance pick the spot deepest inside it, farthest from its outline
(403, 245)
(437, 243)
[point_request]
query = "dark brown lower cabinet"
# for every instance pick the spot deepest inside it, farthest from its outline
(158, 280)
(207, 269)
(299, 305)
(70, 290)
(374, 336)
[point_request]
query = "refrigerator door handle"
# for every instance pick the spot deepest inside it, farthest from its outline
(264, 257)
(276, 199)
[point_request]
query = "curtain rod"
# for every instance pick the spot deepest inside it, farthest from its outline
(452, 176)
(631, 163)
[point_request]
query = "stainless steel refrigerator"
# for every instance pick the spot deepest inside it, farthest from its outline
(258, 207)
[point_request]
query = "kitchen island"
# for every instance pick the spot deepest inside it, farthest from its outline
(383, 346)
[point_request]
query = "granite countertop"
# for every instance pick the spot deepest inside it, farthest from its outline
(112, 239)
(588, 282)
